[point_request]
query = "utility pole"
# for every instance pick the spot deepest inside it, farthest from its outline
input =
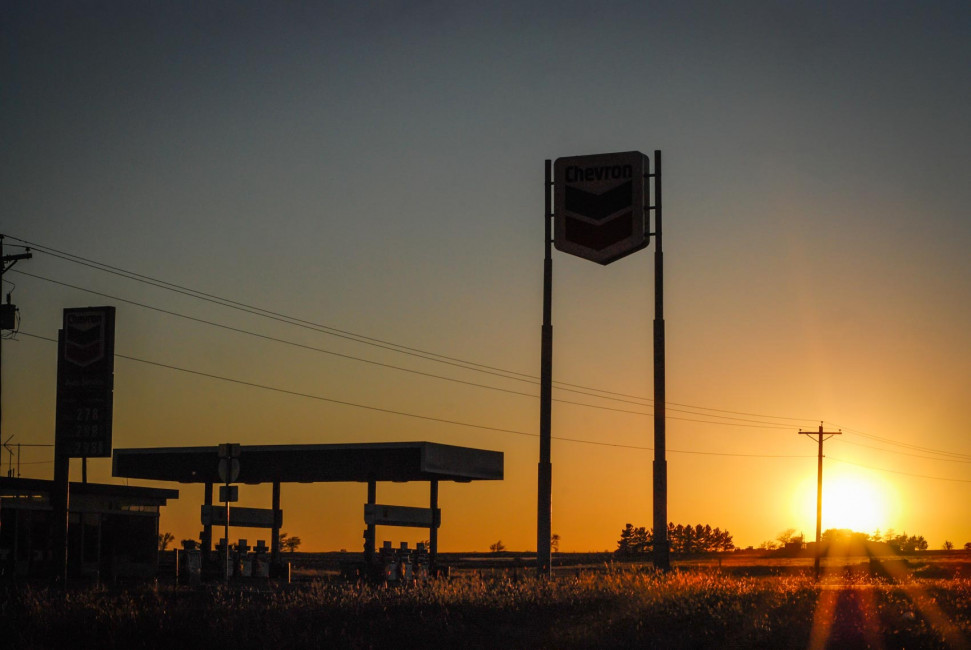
(7, 313)
(820, 437)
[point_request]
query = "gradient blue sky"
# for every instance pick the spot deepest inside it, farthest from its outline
(378, 168)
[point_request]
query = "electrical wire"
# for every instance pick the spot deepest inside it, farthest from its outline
(742, 422)
(225, 302)
(904, 453)
(892, 471)
(429, 418)
(509, 374)
(869, 436)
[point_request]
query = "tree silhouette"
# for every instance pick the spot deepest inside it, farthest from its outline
(290, 543)
(905, 544)
(681, 539)
(786, 536)
(634, 541)
(498, 547)
(164, 539)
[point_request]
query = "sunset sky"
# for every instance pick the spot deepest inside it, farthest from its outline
(378, 170)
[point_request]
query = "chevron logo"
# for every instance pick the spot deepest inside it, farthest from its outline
(599, 205)
(84, 337)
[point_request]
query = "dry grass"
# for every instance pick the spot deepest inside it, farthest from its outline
(607, 608)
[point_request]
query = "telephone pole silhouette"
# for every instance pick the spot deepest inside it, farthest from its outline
(7, 315)
(820, 437)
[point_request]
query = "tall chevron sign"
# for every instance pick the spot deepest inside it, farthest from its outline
(85, 383)
(599, 209)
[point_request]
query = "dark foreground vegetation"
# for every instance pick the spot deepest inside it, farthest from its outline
(616, 606)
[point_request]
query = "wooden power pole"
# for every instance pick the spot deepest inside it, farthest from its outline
(820, 437)
(7, 313)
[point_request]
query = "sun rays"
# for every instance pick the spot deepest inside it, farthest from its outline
(854, 604)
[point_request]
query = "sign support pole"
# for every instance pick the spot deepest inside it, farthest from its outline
(433, 529)
(226, 533)
(370, 533)
(206, 537)
(601, 202)
(275, 532)
(60, 494)
(661, 551)
(544, 507)
(60, 503)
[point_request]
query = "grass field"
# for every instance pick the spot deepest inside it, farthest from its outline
(893, 605)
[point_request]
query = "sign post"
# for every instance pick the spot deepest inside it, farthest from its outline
(228, 473)
(544, 492)
(601, 213)
(662, 558)
(83, 412)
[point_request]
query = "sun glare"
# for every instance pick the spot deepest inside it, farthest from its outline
(853, 501)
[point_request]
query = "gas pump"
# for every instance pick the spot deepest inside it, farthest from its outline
(243, 564)
(261, 562)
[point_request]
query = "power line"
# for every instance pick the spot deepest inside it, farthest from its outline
(904, 453)
(404, 413)
(266, 337)
(432, 356)
(747, 422)
(478, 426)
(892, 471)
(471, 425)
(939, 452)
(226, 302)
(360, 338)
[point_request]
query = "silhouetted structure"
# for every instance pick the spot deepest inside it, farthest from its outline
(113, 531)
(368, 463)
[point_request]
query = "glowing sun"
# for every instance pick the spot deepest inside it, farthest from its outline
(855, 501)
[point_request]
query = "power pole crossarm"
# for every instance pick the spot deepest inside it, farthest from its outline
(820, 436)
(10, 260)
(13, 259)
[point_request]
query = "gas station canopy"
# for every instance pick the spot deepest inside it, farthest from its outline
(364, 462)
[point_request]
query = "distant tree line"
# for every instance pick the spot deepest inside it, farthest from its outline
(899, 543)
(682, 538)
